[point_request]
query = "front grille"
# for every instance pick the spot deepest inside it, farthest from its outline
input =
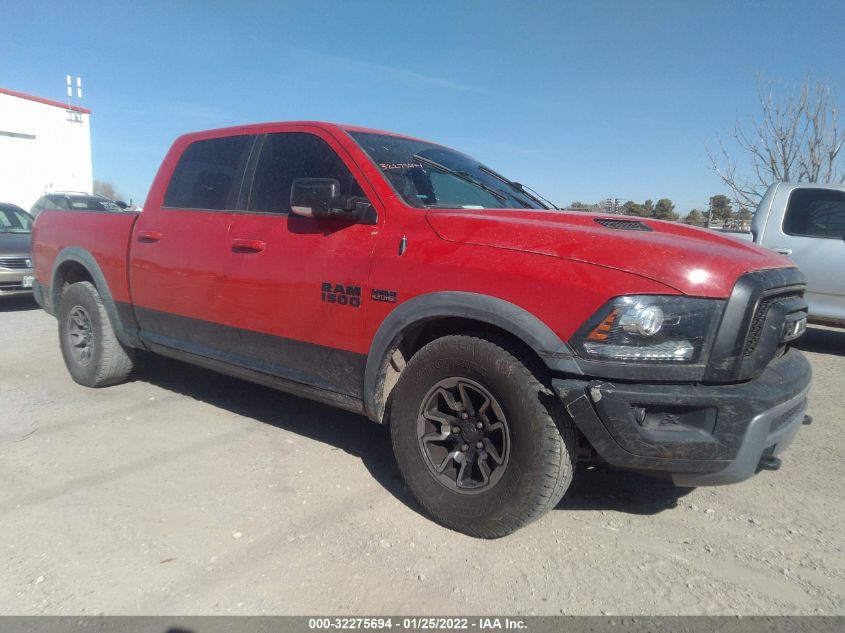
(751, 333)
(5, 286)
(759, 319)
(623, 225)
(15, 263)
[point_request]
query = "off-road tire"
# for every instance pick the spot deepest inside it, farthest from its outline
(541, 436)
(102, 360)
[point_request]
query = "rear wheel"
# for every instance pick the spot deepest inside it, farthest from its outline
(93, 355)
(480, 439)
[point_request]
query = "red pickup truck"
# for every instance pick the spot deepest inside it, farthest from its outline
(501, 339)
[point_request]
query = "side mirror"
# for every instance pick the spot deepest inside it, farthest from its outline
(320, 198)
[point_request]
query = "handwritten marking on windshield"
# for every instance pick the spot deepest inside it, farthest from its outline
(389, 166)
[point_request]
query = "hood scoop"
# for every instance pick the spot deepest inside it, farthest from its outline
(623, 225)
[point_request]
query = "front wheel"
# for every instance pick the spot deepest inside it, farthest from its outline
(93, 355)
(480, 439)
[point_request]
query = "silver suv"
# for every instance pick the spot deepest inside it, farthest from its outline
(74, 201)
(16, 273)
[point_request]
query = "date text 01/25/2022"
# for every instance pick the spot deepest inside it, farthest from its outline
(418, 623)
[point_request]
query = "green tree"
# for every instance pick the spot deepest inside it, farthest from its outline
(633, 208)
(695, 217)
(664, 210)
(720, 209)
(742, 219)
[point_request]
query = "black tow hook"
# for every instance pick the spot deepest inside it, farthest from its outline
(808, 420)
(769, 462)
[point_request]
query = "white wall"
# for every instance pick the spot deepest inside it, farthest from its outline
(57, 159)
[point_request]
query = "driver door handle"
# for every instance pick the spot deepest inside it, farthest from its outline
(149, 236)
(782, 250)
(242, 245)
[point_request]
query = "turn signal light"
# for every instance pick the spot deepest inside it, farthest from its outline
(602, 330)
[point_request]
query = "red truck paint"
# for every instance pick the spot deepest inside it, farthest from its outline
(106, 240)
(321, 293)
(182, 273)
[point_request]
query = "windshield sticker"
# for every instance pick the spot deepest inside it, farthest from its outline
(390, 166)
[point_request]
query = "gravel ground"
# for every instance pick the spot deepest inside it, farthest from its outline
(186, 492)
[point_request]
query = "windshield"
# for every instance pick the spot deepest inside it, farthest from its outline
(14, 221)
(427, 175)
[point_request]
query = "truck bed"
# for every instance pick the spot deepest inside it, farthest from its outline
(102, 234)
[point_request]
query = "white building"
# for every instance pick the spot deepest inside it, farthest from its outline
(44, 146)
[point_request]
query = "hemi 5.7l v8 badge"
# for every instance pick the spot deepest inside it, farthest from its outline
(386, 296)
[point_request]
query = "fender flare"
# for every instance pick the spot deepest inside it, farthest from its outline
(554, 352)
(126, 335)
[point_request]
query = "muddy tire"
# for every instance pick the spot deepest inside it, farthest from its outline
(481, 440)
(93, 355)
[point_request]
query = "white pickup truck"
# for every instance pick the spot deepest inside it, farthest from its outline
(806, 222)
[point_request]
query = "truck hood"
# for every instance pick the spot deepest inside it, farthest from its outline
(15, 244)
(693, 261)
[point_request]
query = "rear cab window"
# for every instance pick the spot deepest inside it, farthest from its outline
(209, 174)
(815, 213)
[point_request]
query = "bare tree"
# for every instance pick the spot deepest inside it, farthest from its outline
(107, 189)
(795, 138)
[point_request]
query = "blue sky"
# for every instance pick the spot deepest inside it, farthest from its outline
(581, 100)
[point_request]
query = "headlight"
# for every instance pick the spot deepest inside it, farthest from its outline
(650, 329)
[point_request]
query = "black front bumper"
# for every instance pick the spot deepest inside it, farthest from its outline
(698, 434)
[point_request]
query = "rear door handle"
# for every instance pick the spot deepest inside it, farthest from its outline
(240, 245)
(782, 250)
(149, 236)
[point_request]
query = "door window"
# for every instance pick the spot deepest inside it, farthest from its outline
(287, 156)
(209, 174)
(815, 213)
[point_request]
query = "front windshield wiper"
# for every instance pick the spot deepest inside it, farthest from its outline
(536, 197)
(459, 174)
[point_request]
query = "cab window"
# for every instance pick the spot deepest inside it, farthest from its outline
(815, 213)
(286, 156)
(56, 202)
(208, 175)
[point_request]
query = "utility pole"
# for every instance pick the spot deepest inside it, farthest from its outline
(612, 205)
